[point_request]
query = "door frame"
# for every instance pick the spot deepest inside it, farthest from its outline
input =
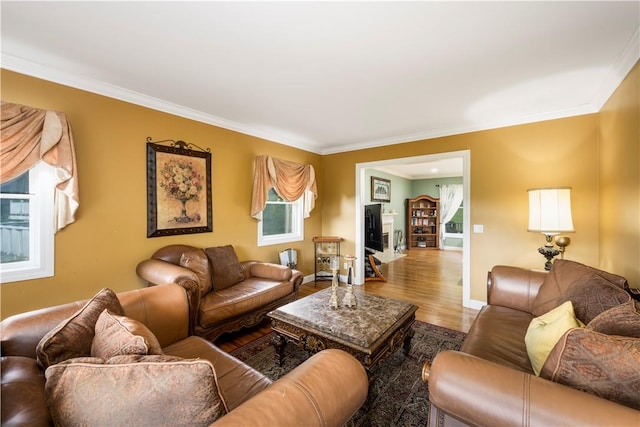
(466, 215)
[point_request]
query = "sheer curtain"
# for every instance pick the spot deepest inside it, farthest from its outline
(30, 135)
(450, 200)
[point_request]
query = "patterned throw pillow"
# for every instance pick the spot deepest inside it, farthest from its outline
(227, 270)
(73, 336)
(117, 335)
(623, 319)
(603, 365)
(196, 260)
(592, 295)
(590, 290)
(134, 390)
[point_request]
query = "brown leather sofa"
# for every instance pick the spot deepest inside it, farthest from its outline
(231, 294)
(327, 389)
(490, 381)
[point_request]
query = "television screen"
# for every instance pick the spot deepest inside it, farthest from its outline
(373, 227)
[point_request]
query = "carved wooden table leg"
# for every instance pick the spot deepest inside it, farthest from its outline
(278, 342)
(407, 341)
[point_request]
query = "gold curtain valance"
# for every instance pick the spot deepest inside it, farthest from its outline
(29, 135)
(290, 180)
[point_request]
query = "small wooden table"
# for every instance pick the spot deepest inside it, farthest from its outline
(378, 326)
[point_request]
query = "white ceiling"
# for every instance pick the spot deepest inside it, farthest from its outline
(333, 76)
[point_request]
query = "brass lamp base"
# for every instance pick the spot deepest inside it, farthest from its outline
(550, 252)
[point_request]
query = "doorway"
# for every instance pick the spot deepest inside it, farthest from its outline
(360, 203)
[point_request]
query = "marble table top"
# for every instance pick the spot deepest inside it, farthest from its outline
(367, 324)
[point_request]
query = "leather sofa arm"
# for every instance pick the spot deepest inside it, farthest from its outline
(326, 390)
(513, 287)
(158, 272)
(478, 392)
(267, 270)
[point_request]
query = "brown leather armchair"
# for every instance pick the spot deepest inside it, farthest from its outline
(230, 294)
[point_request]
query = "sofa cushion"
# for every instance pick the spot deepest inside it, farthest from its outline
(623, 319)
(243, 298)
(198, 262)
(227, 270)
(117, 335)
(497, 335)
(237, 381)
(603, 365)
(133, 390)
(73, 336)
(590, 290)
(545, 331)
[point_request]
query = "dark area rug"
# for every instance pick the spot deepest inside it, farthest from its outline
(397, 394)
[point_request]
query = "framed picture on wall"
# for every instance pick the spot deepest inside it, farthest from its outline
(380, 190)
(178, 189)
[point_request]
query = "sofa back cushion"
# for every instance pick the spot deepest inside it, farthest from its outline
(227, 270)
(198, 262)
(603, 365)
(73, 336)
(133, 390)
(590, 290)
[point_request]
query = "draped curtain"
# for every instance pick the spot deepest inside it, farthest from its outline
(450, 200)
(30, 135)
(290, 180)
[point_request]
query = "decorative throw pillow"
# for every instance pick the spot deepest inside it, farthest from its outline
(134, 390)
(73, 336)
(227, 270)
(592, 291)
(604, 365)
(593, 295)
(544, 332)
(196, 260)
(623, 319)
(117, 335)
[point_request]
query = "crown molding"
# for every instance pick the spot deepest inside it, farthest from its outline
(13, 63)
(625, 62)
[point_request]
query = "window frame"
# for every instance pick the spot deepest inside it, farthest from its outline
(41, 228)
(297, 224)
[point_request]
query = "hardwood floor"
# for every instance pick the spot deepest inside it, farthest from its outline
(431, 279)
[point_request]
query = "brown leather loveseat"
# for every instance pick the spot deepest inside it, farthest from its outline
(327, 389)
(231, 294)
(590, 377)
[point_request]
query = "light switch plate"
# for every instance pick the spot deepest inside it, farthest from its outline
(478, 228)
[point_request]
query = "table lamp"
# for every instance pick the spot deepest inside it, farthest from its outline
(550, 214)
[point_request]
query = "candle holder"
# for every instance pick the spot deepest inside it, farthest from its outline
(335, 267)
(350, 297)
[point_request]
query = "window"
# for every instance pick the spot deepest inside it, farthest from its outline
(282, 221)
(27, 226)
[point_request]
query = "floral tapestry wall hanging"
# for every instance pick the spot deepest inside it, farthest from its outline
(178, 189)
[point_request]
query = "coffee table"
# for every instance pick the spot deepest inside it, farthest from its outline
(378, 326)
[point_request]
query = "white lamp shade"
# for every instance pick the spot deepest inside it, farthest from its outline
(550, 210)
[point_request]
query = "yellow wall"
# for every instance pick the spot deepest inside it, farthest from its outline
(103, 247)
(504, 164)
(108, 239)
(620, 180)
